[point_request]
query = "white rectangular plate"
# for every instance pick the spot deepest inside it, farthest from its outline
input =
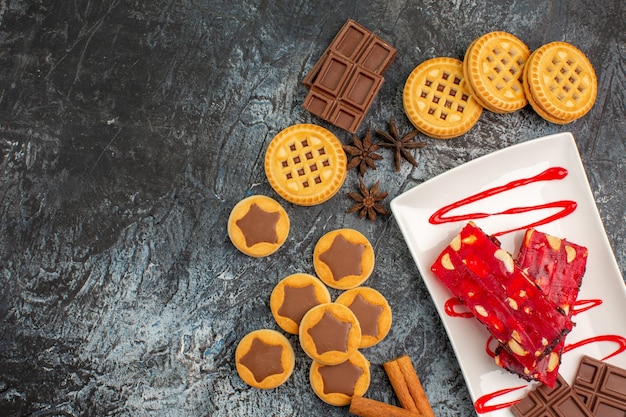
(600, 329)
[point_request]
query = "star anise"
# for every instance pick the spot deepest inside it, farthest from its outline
(362, 153)
(401, 145)
(368, 201)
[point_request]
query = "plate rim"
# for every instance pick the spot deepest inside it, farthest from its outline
(399, 202)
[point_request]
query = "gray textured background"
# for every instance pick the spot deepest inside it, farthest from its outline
(129, 129)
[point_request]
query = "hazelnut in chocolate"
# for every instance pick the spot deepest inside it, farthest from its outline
(330, 333)
(293, 296)
(343, 259)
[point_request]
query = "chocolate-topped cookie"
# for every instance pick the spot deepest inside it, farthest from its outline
(343, 258)
(330, 333)
(293, 296)
(337, 384)
(258, 225)
(372, 310)
(264, 358)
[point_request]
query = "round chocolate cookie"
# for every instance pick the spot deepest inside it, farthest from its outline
(337, 384)
(264, 358)
(372, 310)
(293, 296)
(330, 333)
(343, 258)
(258, 225)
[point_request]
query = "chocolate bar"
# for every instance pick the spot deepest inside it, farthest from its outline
(560, 401)
(346, 79)
(601, 387)
(557, 266)
(502, 297)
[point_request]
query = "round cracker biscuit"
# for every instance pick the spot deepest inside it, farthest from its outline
(305, 164)
(437, 101)
(337, 384)
(293, 297)
(562, 81)
(264, 358)
(258, 226)
(343, 258)
(493, 70)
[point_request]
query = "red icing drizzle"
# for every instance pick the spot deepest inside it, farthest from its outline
(550, 174)
(488, 346)
(584, 305)
(481, 403)
(450, 309)
(620, 341)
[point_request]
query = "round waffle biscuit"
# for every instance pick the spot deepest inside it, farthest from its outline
(493, 71)
(264, 358)
(437, 101)
(468, 85)
(536, 107)
(354, 379)
(258, 225)
(305, 164)
(293, 296)
(561, 81)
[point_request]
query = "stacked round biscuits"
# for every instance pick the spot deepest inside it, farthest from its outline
(331, 333)
(444, 97)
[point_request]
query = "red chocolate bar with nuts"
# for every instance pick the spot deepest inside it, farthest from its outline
(557, 266)
(501, 295)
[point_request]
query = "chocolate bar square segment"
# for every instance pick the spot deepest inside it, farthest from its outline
(319, 103)
(310, 77)
(602, 387)
(350, 40)
(346, 117)
(362, 88)
(560, 401)
(377, 56)
(334, 74)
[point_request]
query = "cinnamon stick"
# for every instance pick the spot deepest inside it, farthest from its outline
(365, 407)
(407, 386)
